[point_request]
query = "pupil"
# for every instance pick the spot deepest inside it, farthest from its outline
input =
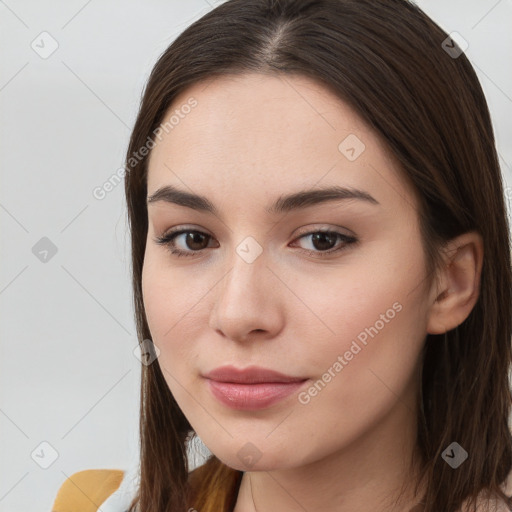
(321, 237)
(194, 238)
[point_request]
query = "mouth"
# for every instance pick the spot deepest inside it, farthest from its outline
(250, 375)
(252, 388)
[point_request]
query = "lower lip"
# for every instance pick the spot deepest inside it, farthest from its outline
(252, 396)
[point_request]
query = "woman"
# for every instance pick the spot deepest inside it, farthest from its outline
(321, 258)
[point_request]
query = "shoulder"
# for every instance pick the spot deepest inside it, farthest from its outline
(485, 503)
(86, 490)
(506, 487)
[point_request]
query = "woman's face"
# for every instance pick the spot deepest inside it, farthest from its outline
(260, 286)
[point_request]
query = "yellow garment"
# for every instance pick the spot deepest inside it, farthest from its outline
(86, 490)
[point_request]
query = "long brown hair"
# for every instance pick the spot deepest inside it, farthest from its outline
(391, 63)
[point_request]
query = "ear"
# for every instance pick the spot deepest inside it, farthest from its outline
(458, 284)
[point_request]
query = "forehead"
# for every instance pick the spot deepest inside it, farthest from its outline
(251, 132)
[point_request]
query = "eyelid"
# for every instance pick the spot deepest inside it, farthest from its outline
(302, 231)
(185, 227)
(324, 228)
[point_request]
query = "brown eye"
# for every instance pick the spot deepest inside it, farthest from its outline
(192, 241)
(195, 240)
(324, 242)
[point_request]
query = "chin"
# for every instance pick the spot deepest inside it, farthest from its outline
(248, 457)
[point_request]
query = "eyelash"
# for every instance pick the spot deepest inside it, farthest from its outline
(167, 240)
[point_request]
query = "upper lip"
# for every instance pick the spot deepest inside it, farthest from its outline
(249, 375)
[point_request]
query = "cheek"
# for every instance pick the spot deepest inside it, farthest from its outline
(359, 382)
(365, 299)
(168, 306)
(174, 303)
(376, 324)
(363, 328)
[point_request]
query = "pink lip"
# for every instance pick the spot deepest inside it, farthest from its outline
(252, 388)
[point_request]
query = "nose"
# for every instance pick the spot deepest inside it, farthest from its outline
(247, 303)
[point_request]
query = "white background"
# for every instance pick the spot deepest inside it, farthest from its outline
(67, 372)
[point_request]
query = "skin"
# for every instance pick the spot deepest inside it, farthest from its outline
(250, 139)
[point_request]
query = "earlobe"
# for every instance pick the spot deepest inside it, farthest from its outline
(458, 283)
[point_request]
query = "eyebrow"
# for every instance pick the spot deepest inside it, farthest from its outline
(284, 203)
